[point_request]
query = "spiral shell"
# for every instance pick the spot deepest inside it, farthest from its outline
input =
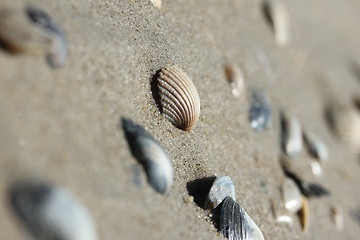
(179, 99)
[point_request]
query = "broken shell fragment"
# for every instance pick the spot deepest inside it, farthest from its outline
(150, 154)
(260, 111)
(179, 100)
(235, 78)
(156, 3)
(337, 216)
(32, 31)
(221, 188)
(50, 212)
(304, 214)
(292, 140)
(315, 146)
(278, 17)
(236, 224)
(291, 195)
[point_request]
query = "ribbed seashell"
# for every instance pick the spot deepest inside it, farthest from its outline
(32, 31)
(156, 3)
(304, 214)
(49, 212)
(345, 122)
(292, 139)
(236, 224)
(278, 17)
(179, 99)
(221, 188)
(235, 78)
(302, 176)
(260, 111)
(151, 155)
(337, 216)
(291, 195)
(315, 146)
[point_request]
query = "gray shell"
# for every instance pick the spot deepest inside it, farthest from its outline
(260, 112)
(221, 188)
(236, 224)
(179, 99)
(151, 155)
(291, 195)
(316, 147)
(51, 213)
(32, 31)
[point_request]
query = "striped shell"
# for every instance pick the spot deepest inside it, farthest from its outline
(179, 99)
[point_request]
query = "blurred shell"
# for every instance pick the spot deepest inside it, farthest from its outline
(304, 214)
(291, 195)
(221, 188)
(292, 139)
(316, 168)
(281, 214)
(156, 3)
(337, 216)
(260, 111)
(179, 99)
(278, 17)
(150, 154)
(235, 78)
(315, 146)
(236, 224)
(32, 31)
(50, 212)
(345, 123)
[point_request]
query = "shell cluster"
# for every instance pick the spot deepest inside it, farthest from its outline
(50, 212)
(32, 31)
(179, 99)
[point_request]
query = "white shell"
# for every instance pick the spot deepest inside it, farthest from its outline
(279, 18)
(291, 135)
(338, 218)
(281, 214)
(235, 78)
(179, 99)
(51, 212)
(221, 188)
(291, 195)
(156, 3)
(316, 147)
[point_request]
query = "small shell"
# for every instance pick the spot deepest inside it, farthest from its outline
(337, 216)
(281, 214)
(156, 3)
(260, 111)
(179, 99)
(32, 31)
(150, 154)
(50, 212)
(304, 214)
(315, 146)
(345, 122)
(235, 78)
(292, 139)
(277, 15)
(316, 168)
(222, 187)
(291, 195)
(236, 224)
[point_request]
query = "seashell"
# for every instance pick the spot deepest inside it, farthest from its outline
(50, 212)
(260, 111)
(315, 146)
(316, 168)
(337, 216)
(32, 31)
(221, 188)
(278, 17)
(281, 214)
(179, 99)
(150, 154)
(304, 214)
(345, 123)
(156, 3)
(235, 78)
(236, 224)
(292, 140)
(291, 195)
(307, 188)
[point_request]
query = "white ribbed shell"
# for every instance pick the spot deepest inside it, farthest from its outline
(179, 99)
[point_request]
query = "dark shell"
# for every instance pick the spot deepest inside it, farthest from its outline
(236, 224)
(150, 154)
(260, 111)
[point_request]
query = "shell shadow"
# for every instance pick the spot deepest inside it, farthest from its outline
(155, 91)
(267, 15)
(199, 189)
(329, 118)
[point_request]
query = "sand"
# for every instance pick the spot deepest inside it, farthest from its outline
(62, 125)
